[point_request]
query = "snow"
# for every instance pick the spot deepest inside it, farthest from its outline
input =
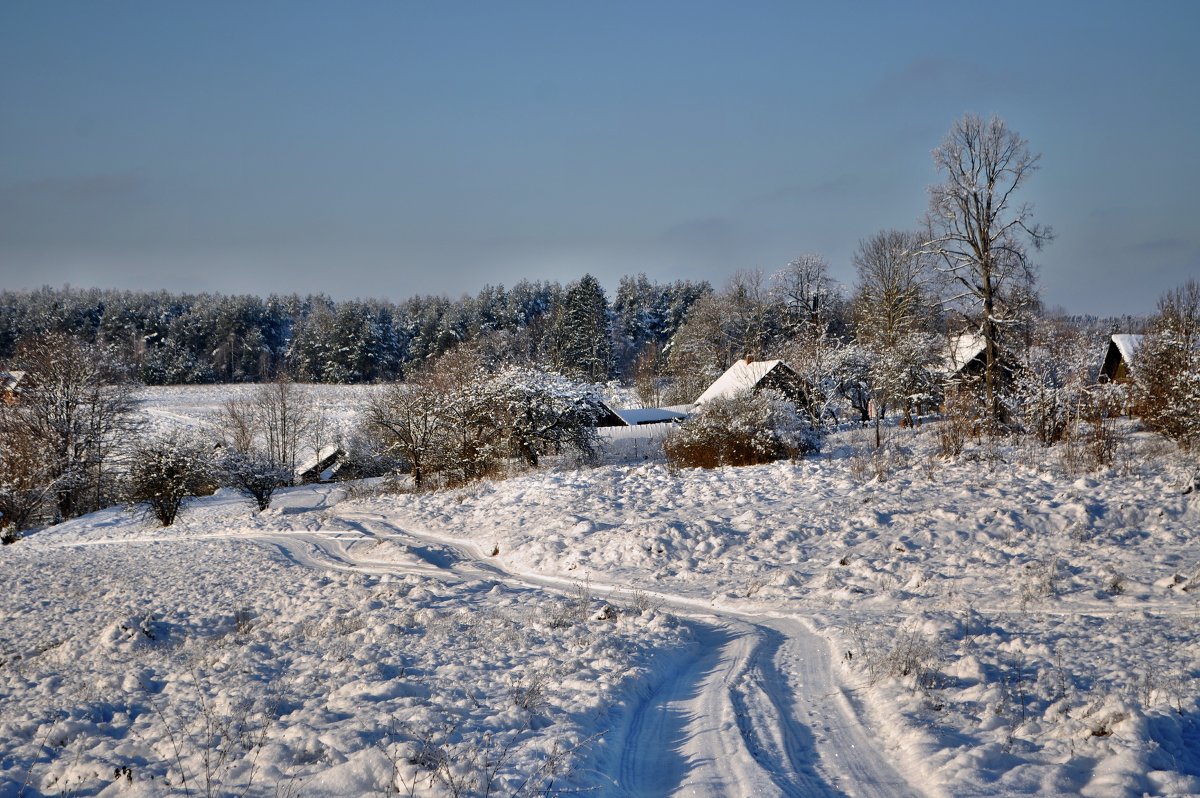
(740, 377)
(991, 625)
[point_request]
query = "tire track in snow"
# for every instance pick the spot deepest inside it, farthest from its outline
(652, 757)
(768, 723)
(758, 713)
(771, 720)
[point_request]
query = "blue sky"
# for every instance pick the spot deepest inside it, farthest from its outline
(394, 148)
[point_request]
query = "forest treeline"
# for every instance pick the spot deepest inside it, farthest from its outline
(177, 338)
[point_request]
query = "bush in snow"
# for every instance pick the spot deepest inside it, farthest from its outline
(254, 475)
(165, 470)
(741, 430)
(454, 421)
(25, 478)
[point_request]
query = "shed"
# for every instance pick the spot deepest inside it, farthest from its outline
(1118, 358)
(322, 467)
(10, 385)
(965, 356)
(605, 416)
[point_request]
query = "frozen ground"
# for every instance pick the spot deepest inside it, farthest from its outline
(995, 625)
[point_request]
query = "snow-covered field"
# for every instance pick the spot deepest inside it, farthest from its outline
(994, 625)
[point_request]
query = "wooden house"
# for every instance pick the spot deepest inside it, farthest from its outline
(965, 357)
(1118, 358)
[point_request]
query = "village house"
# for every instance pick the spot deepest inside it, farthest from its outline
(1118, 358)
(750, 375)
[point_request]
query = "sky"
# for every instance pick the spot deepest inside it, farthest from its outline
(386, 149)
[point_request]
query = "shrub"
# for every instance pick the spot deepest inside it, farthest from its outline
(745, 429)
(165, 470)
(960, 421)
(255, 476)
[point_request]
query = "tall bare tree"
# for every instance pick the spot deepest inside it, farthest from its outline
(982, 233)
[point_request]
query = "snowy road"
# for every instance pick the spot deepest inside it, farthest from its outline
(759, 713)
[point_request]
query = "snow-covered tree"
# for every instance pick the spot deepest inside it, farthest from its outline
(543, 412)
(1166, 368)
(165, 470)
(982, 235)
(894, 312)
(808, 296)
(579, 343)
(76, 406)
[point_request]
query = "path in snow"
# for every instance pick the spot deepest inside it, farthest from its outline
(760, 713)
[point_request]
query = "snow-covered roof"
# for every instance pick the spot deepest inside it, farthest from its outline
(1127, 344)
(10, 379)
(961, 350)
(649, 415)
(742, 376)
(326, 453)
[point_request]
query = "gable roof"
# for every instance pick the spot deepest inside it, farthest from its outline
(9, 380)
(742, 376)
(961, 350)
(1127, 345)
(1118, 357)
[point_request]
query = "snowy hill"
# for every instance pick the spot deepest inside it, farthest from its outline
(851, 623)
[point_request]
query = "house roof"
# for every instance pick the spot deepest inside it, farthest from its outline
(961, 350)
(10, 379)
(742, 376)
(325, 457)
(649, 415)
(1127, 345)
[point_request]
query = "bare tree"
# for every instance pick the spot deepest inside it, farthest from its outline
(749, 305)
(981, 233)
(285, 412)
(76, 407)
(25, 475)
(896, 293)
(894, 308)
(806, 292)
(273, 424)
(406, 417)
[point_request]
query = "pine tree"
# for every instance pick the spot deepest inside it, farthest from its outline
(580, 340)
